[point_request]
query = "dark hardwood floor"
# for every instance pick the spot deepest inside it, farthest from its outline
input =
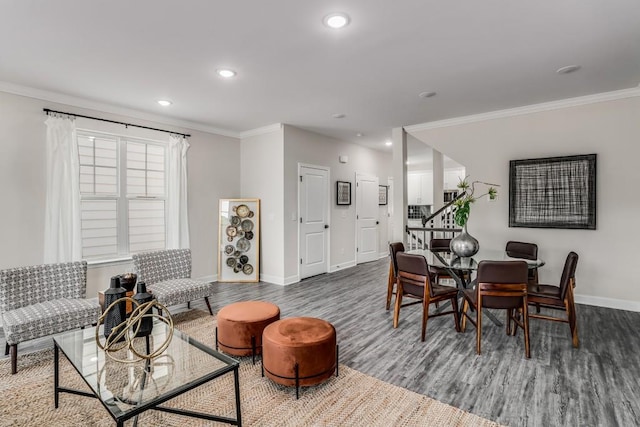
(595, 385)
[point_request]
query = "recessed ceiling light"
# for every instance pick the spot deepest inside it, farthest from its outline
(226, 73)
(336, 20)
(568, 69)
(426, 94)
(339, 116)
(359, 134)
(388, 143)
(164, 102)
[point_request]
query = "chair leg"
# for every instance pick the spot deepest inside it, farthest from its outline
(425, 317)
(189, 304)
(206, 299)
(390, 283)
(396, 311)
(456, 315)
(465, 307)
(525, 321)
(13, 348)
(478, 324)
(571, 316)
(509, 317)
(6, 349)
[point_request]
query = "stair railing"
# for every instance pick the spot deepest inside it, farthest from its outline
(439, 224)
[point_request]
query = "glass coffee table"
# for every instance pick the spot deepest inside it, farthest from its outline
(128, 389)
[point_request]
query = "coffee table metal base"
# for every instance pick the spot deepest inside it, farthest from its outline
(154, 405)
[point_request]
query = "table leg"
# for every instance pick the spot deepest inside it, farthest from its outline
(236, 379)
(56, 374)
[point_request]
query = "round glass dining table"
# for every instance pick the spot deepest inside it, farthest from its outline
(449, 260)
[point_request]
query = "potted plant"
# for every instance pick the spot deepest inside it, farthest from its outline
(465, 245)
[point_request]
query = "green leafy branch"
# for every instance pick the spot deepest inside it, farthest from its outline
(463, 203)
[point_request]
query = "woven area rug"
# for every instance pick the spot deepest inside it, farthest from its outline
(352, 399)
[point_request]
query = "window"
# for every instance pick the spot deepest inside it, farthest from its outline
(123, 195)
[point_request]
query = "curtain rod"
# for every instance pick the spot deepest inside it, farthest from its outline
(47, 111)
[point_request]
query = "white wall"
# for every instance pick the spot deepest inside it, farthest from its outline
(261, 158)
(214, 162)
(605, 274)
(311, 148)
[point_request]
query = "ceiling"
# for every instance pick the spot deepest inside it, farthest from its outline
(478, 56)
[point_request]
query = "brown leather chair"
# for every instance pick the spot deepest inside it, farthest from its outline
(441, 245)
(415, 281)
(559, 297)
(501, 285)
(394, 248)
(525, 251)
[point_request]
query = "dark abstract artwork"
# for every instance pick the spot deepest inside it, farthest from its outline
(553, 192)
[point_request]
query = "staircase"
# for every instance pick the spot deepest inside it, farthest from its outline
(438, 225)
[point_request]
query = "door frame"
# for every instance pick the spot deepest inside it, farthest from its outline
(328, 212)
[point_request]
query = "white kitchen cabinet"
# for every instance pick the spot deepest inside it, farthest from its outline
(452, 177)
(413, 189)
(420, 188)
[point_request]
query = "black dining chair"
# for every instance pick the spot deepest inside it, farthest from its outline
(394, 249)
(500, 285)
(443, 246)
(525, 251)
(415, 281)
(559, 297)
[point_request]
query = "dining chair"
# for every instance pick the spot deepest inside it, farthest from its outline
(500, 285)
(443, 245)
(525, 251)
(415, 281)
(394, 248)
(559, 297)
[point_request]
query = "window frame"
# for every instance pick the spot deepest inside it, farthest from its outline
(122, 198)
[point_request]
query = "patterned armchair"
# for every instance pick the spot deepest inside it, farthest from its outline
(42, 300)
(167, 274)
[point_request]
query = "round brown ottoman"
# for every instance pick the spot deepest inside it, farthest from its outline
(299, 351)
(240, 326)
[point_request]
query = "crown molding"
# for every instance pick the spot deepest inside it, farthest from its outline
(75, 101)
(535, 108)
(262, 130)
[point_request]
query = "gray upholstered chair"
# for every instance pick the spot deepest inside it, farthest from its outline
(167, 274)
(42, 300)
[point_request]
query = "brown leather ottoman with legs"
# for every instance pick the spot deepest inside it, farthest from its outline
(299, 351)
(240, 326)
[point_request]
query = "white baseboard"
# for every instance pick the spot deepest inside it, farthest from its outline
(383, 255)
(342, 266)
(608, 302)
(291, 280)
(277, 280)
(211, 278)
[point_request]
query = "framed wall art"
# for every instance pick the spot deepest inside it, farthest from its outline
(553, 192)
(383, 193)
(343, 193)
(239, 246)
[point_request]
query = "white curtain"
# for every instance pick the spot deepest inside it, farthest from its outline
(177, 213)
(62, 228)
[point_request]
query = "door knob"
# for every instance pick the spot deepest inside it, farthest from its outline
(326, 226)
(377, 222)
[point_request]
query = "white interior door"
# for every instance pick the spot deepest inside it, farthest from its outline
(366, 218)
(314, 220)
